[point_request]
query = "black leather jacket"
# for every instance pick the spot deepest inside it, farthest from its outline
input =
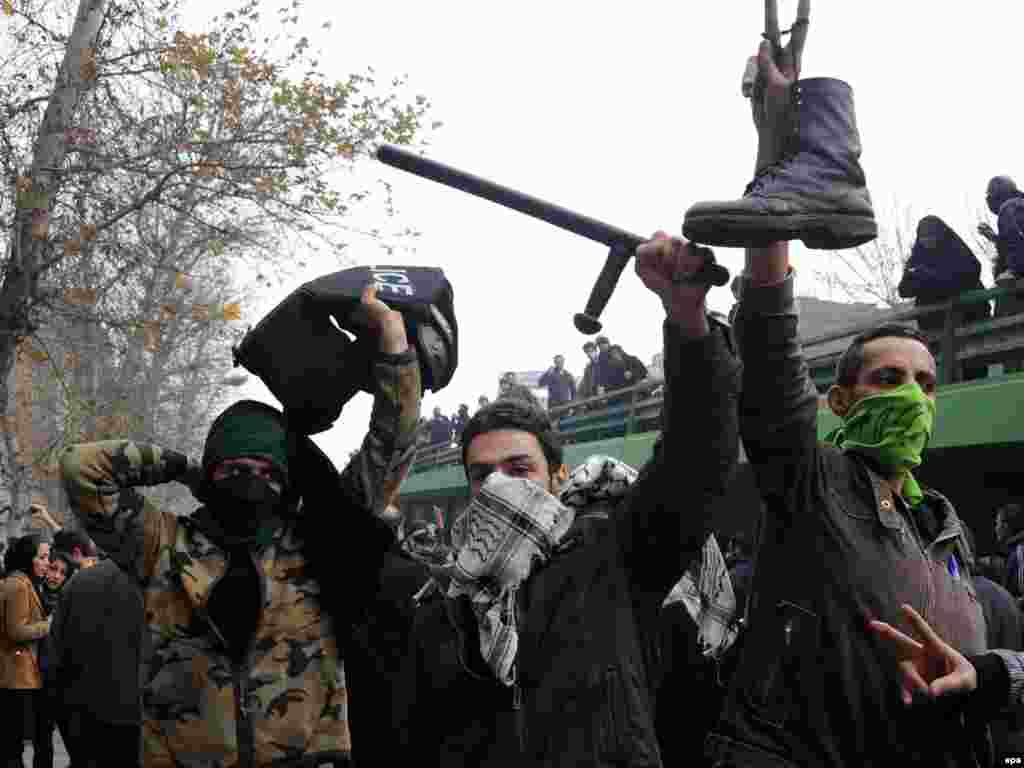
(587, 659)
(813, 686)
(589, 620)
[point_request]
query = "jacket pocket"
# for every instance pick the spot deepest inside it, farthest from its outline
(772, 689)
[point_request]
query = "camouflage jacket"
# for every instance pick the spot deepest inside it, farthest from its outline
(287, 698)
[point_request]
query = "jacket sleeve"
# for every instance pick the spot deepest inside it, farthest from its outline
(372, 478)
(664, 520)
(1000, 676)
(545, 378)
(18, 614)
(572, 387)
(779, 404)
(100, 480)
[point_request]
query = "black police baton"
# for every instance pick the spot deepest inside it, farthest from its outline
(622, 244)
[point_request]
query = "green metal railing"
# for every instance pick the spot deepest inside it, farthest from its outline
(637, 409)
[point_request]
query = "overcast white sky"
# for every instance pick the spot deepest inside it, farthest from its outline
(631, 112)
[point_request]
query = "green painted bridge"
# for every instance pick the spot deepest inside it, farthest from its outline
(989, 412)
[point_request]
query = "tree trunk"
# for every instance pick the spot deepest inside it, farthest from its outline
(48, 156)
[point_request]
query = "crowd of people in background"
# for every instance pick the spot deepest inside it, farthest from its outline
(608, 369)
(38, 686)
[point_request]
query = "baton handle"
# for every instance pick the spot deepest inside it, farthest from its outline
(623, 244)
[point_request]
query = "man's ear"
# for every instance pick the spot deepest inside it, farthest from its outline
(840, 399)
(559, 478)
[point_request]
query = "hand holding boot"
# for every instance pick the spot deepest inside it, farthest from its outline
(809, 183)
(771, 74)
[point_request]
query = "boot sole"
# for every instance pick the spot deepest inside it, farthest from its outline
(819, 232)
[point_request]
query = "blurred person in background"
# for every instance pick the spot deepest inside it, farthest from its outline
(23, 624)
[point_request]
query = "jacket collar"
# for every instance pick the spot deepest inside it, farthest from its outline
(885, 504)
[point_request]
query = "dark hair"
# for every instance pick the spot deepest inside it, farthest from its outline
(522, 412)
(20, 554)
(65, 541)
(69, 565)
(852, 361)
(1013, 514)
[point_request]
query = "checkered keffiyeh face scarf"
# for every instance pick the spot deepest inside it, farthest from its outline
(511, 527)
(706, 591)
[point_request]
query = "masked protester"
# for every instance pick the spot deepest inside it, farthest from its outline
(543, 625)
(250, 599)
(849, 534)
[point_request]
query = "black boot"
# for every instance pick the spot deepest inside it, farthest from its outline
(816, 192)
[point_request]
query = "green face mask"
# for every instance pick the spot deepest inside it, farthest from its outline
(893, 428)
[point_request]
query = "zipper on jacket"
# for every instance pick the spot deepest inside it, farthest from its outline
(245, 731)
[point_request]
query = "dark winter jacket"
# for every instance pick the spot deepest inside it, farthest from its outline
(459, 422)
(561, 386)
(934, 275)
(588, 620)
(1003, 622)
(451, 712)
(440, 430)
(1010, 245)
(625, 373)
(592, 379)
(96, 644)
(689, 694)
(813, 686)
(375, 660)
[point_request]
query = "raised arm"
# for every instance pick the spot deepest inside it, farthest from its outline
(779, 404)
(374, 475)
(101, 480)
(664, 520)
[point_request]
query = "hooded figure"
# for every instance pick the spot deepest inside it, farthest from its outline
(250, 601)
(1007, 203)
(940, 268)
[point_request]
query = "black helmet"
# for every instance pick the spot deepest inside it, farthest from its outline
(314, 368)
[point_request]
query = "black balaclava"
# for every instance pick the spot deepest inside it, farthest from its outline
(1000, 189)
(243, 506)
(243, 510)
